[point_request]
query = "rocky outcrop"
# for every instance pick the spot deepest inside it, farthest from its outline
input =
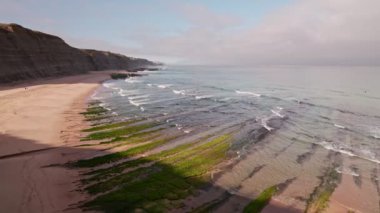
(26, 54)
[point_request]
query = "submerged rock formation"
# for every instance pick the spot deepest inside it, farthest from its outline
(26, 54)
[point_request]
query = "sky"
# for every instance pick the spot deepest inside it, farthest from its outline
(213, 32)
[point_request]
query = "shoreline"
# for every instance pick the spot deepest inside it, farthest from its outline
(34, 179)
(40, 128)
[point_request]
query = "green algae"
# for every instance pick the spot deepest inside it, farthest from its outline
(124, 154)
(212, 205)
(319, 199)
(261, 201)
(94, 110)
(112, 125)
(162, 184)
(113, 133)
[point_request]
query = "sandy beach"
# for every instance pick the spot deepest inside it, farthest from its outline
(39, 126)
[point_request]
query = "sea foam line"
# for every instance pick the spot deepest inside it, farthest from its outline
(202, 97)
(163, 86)
(134, 103)
(138, 97)
(265, 125)
(247, 93)
(339, 126)
(132, 80)
(342, 150)
(179, 92)
(278, 112)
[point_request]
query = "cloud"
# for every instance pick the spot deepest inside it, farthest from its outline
(312, 32)
(200, 16)
(305, 32)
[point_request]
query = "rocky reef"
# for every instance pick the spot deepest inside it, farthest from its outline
(28, 54)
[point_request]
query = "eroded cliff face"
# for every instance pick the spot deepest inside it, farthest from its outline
(26, 54)
(103, 60)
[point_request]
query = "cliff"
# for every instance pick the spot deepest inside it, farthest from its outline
(103, 60)
(26, 54)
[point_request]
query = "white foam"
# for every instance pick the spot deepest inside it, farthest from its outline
(142, 109)
(134, 103)
(95, 96)
(122, 93)
(179, 126)
(179, 92)
(337, 148)
(187, 131)
(347, 171)
(108, 85)
(149, 85)
(265, 125)
(247, 93)
(202, 97)
(339, 126)
(104, 106)
(375, 132)
(114, 113)
(163, 86)
(367, 154)
(132, 80)
(277, 113)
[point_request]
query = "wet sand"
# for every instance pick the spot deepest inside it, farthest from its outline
(40, 126)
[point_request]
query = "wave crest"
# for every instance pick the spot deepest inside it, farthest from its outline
(247, 93)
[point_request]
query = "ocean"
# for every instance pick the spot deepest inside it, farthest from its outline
(291, 122)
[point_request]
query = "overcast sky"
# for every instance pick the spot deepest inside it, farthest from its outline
(221, 32)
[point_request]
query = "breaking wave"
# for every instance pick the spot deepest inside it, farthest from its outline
(202, 97)
(277, 112)
(163, 86)
(339, 126)
(179, 92)
(337, 148)
(365, 153)
(138, 97)
(109, 85)
(132, 80)
(134, 103)
(264, 123)
(247, 93)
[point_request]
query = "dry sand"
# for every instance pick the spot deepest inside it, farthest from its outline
(39, 126)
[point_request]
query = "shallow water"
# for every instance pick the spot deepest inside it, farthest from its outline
(290, 124)
(335, 107)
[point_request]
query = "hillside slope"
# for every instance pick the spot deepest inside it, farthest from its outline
(26, 54)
